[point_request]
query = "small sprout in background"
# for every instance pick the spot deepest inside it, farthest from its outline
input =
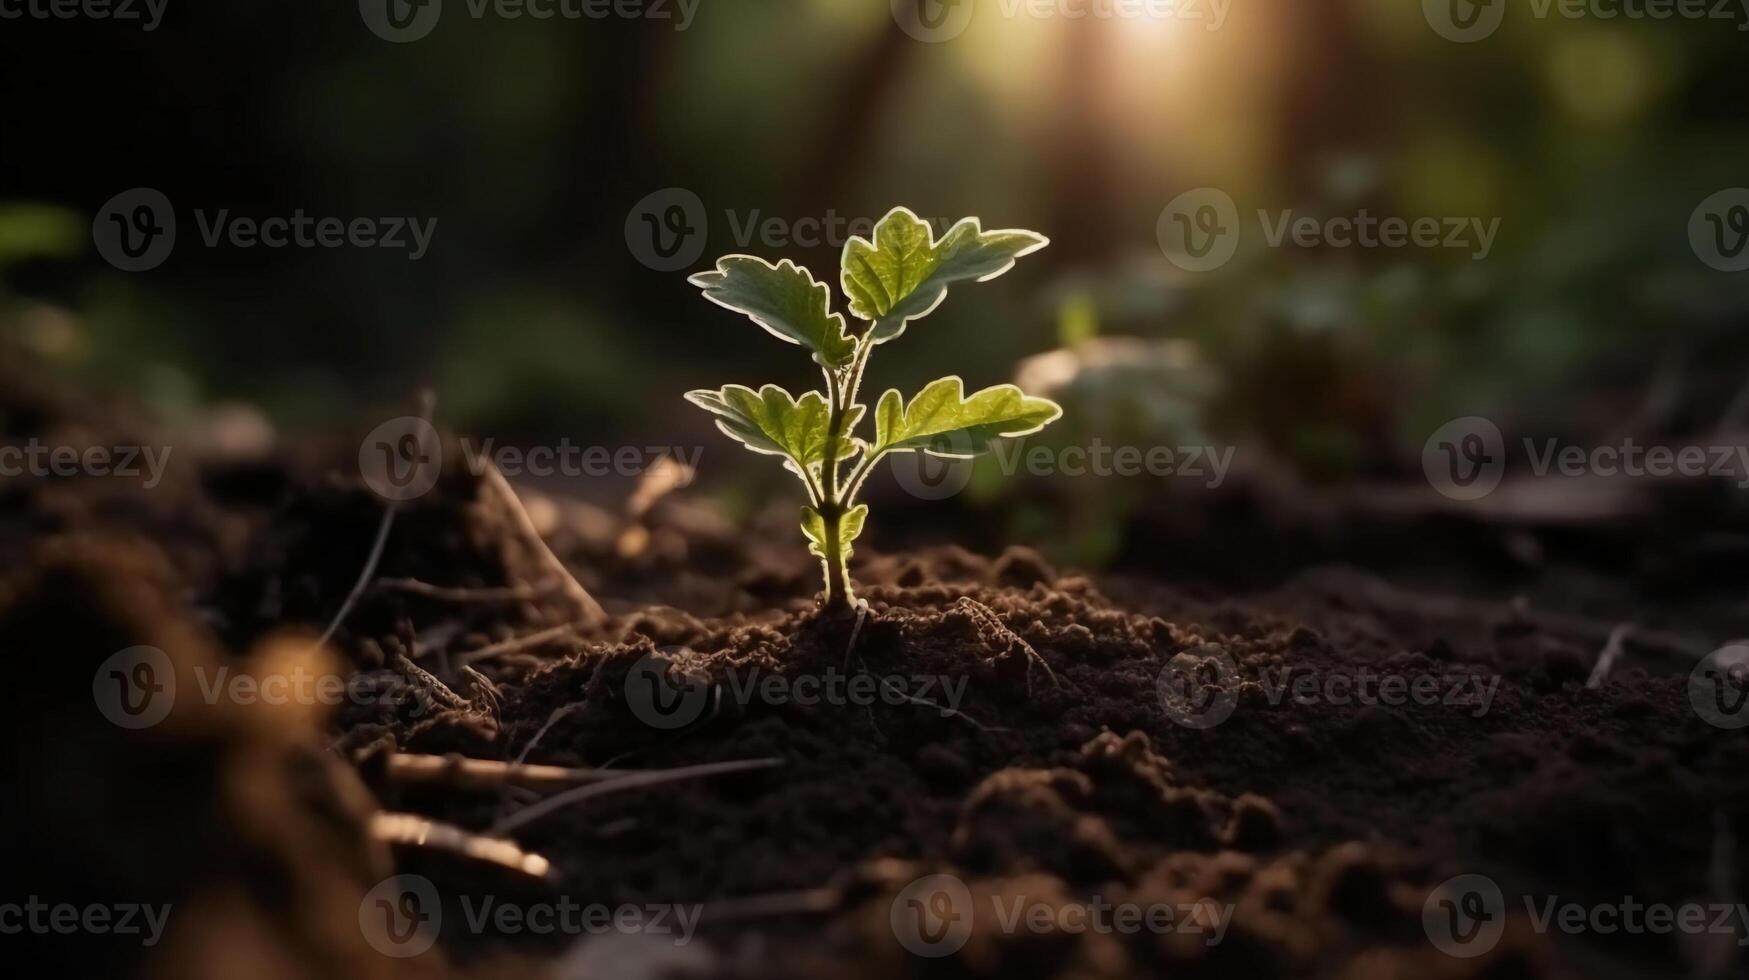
(901, 276)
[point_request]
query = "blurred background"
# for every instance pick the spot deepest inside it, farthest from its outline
(544, 148)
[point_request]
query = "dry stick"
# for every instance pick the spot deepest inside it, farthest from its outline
(427, 405)
(416, 831)
(516, 643)
(429, 681)
(812, 900)
(1612, 651)
(444, 593)
(466, 773)
(574, 590)
(639, 780)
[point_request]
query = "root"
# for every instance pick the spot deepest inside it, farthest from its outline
(636, 780)
(427, 405)
(1612, 651)
(986, 617)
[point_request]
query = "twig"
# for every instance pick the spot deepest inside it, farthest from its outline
(517, 643)
(466, 773)
(1612, 651)
(586, 605)
(427, 405)
(415, 831)
(639, 780)
(444, 593)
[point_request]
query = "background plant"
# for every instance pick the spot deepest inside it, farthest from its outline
(901, 276)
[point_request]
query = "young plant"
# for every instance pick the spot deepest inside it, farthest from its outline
(901, 276)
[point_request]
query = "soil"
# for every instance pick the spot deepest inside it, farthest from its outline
(1058, 774)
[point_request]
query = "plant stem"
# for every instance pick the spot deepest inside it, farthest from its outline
(841, 394)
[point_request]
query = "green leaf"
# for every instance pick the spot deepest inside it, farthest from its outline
(941, 421)
(770, 421)
(785, 299)
(904, 273)
(849, 529)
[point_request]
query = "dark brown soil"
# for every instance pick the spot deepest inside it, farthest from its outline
(1059, 777)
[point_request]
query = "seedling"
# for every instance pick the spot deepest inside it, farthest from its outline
(901, 276)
